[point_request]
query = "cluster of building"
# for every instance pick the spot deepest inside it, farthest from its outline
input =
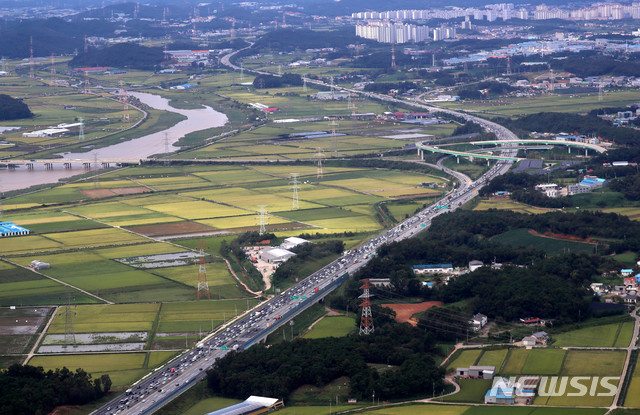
(187, 58)
(507, 11)
(627, 292)
(546, 47)
(622, 118)
(552, 82)
(587, 184)
(385, 31)
(444, 272)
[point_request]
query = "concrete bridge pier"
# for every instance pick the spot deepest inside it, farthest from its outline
(30, 166)
(86, 165)
(569, 148)
(586, 152)
(48, 166)
(11, 166)
(67, 165)
(105, 164)
(458, 159)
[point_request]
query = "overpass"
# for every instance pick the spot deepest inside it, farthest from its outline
(586, 146)
(422, 147)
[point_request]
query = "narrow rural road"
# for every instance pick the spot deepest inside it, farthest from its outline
(40, 337)
(632, 346)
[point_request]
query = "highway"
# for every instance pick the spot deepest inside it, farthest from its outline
(166, 383)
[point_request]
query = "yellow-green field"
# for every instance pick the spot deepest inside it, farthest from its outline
(633, 399)
(507, 204)
(122, 368)
(466, 358)
(107, 318)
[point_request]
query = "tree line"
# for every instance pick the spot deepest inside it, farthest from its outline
(280, 369)
(122, 55)
(271, 81)
(30, 390)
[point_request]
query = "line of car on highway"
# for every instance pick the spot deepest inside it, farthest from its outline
(168, 381)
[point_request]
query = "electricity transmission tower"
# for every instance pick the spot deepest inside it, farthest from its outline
(262, 219)
(319, 155)
(366, 321)
(203, 284)
(295, 203)
(334, 139)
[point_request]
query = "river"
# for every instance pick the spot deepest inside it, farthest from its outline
(138, 148)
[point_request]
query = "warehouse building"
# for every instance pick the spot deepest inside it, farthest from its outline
(292, 242)
(276, 255)
(252, 406)
(10, 229)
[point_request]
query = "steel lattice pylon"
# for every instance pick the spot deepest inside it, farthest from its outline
(366, 321)
(203, 284)
(262, 219)
(295, 203)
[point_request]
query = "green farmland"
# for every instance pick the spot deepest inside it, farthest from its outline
(524, 238)
(609, 335)
(331, 326)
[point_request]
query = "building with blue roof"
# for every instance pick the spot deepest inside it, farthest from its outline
(432, 269)
(11, 229)
(500, 396)
(588, 184)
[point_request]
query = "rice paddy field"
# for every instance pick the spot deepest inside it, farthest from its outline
(507, 204)
(419, 409)
(544, 361)
(633, 399)
(123, 368)
(466, 358)
(608, 335)
(89, 237)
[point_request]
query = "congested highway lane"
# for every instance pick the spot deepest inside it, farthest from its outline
(164, 384)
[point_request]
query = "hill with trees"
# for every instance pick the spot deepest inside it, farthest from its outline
(517, 289)
(49, 36)
(122, 55)
(13, 109)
